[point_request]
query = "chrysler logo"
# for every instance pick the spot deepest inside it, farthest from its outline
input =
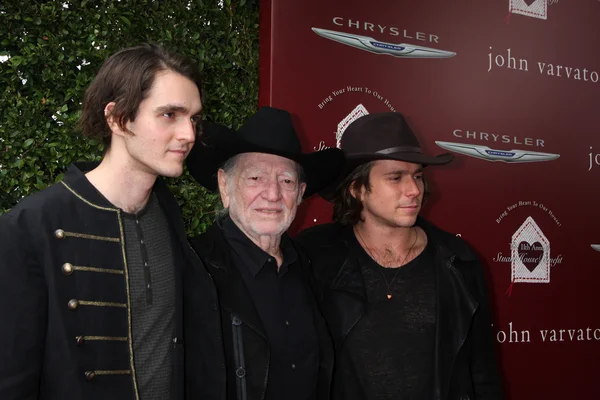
(375, 46)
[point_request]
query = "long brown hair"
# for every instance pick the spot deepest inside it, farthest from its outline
(126, 78)
(347, 209)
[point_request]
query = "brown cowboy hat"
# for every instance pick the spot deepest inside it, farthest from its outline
(269, 131)
(381, 136)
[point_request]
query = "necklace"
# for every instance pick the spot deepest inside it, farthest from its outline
(388, 284)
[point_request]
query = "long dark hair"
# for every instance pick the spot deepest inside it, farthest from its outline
(347, 208)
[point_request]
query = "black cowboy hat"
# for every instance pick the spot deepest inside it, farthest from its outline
(381, 136)
(269, 131)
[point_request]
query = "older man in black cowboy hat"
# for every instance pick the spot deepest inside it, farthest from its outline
(406, 303)
(276, 342)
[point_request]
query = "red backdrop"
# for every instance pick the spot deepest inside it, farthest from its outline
(525, 80)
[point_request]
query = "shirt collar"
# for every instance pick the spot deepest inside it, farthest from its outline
(254, 256)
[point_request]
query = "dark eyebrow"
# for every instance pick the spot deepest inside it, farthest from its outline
(175, 108)
(403, 172)
(171, 108)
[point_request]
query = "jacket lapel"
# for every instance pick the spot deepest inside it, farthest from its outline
(348, 293)
(234, 297)
(325, 342)
(455, 310)
(349, 276)
(180, 246)
(455, 305)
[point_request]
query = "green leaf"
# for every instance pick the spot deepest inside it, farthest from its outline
(125, 20)
(15, 61)
(28, 143)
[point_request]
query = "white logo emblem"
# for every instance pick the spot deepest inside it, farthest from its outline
(489, 154)
(529, 8)
(530, 254)
(375, 46)
(355, 114)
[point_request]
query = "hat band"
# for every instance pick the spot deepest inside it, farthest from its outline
(401, 149)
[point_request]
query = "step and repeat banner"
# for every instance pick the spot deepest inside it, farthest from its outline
(511, 87)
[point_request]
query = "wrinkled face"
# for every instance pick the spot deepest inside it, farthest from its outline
(164, 129)
(262, 193)
(395, 196)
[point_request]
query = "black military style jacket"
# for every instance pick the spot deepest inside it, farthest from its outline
(65, 316)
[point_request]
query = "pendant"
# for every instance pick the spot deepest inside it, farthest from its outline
(389, 296)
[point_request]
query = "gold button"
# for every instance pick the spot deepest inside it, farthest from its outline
(89, 375)
(80, 341)
(67, 268)
(73, 304)
(59, 234)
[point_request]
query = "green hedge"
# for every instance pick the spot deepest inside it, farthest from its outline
(54, 50)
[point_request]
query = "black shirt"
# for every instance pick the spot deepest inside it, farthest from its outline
(152, 286)
(282, 302)
(391, 347)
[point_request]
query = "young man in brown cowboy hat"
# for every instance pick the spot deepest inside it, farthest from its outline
(276, 342)
(405, 302)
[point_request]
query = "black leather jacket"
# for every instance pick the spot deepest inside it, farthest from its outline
(247, 350)
(464, 365)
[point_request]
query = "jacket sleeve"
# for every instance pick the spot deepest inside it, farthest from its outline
(23, 312)
(484, 370)
(319, 244)
(314, 267)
